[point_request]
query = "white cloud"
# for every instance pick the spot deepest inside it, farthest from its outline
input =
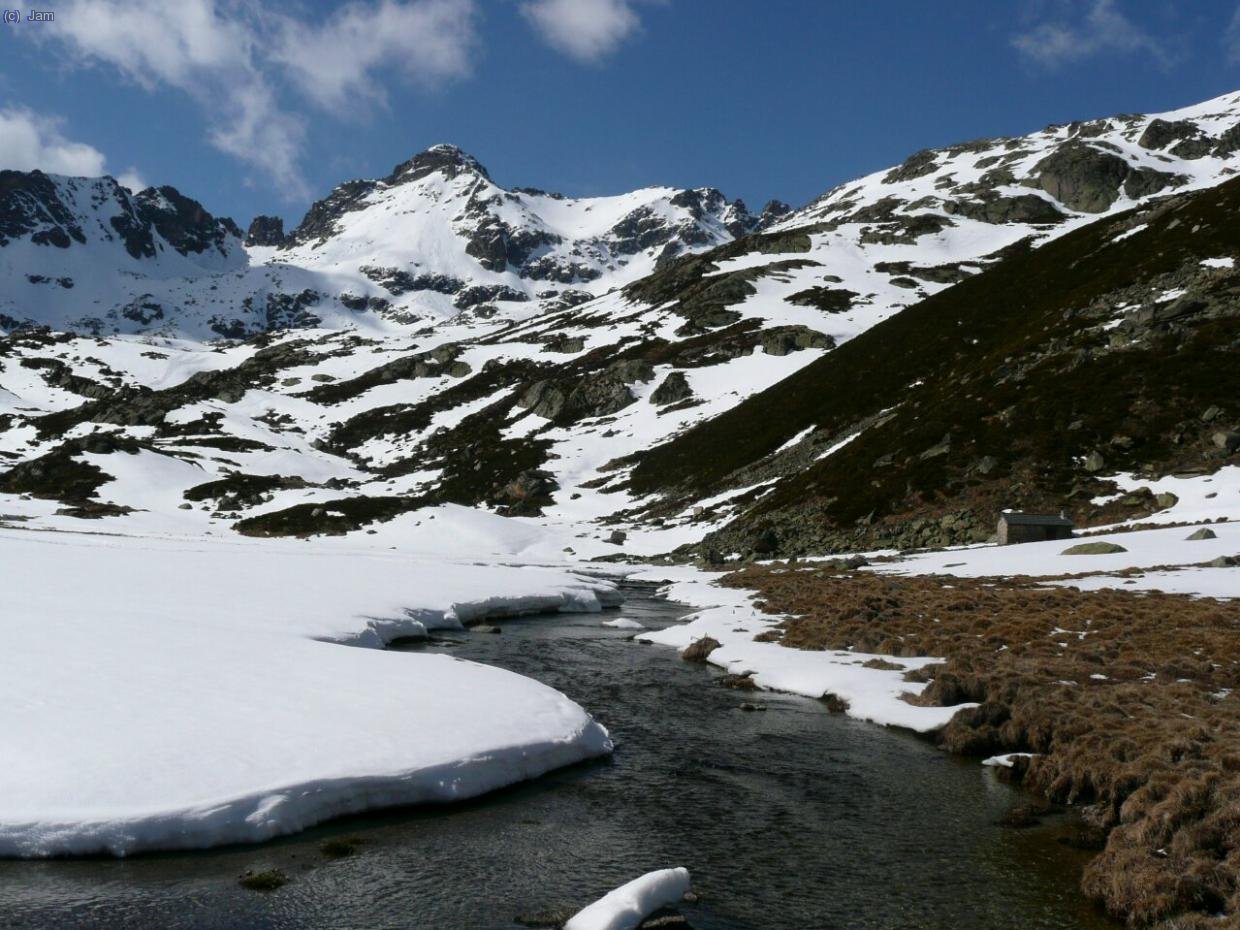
(235, 57)
(334, 63)
(202, 48)
(155, 42)
(587, 30)
(1102, 29)
(249, 124)
(132, 180)
(29, 141)
(1231, 38)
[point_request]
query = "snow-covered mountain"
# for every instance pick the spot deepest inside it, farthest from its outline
(440, 214)
(431, 337)
(432, 239)
(77, 253)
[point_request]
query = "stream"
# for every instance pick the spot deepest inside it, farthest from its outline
(788, 818)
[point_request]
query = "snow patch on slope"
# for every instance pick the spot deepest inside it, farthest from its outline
(141, 709)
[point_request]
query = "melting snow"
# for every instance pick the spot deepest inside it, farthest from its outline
(630, 904)
(162, 694)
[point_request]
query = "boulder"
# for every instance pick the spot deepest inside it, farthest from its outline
(1191, 149)
(486, 293)
(789, 339)
(1145, 182)
(597, 397)
(1227, 440)
(543, 399)
(915, 166)
(1160, 133)
(989, 207)
(528, 491)
(1082, 177)
(826, 299)
(561, 342)
(1094, 548)
(630, 370)
(944, 447)
(675, 387)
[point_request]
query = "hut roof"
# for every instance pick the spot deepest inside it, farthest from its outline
(1034, 519)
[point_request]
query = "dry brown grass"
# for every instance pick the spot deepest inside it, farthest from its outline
(1150, 748)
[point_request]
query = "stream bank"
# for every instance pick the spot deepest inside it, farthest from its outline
(788, 818)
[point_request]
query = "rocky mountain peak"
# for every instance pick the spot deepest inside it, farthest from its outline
(322, 220)
(266, 230)
(448, 160)
(30, 205)
(772, 212)
(57, 211)
(183, 222)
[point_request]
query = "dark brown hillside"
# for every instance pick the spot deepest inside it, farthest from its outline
(1000, 390)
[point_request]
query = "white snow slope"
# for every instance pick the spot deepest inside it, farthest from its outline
(161, 694)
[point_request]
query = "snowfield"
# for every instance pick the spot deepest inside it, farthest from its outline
(168, 695)
(1144, 549)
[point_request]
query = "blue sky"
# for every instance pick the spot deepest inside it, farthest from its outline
(259, 107)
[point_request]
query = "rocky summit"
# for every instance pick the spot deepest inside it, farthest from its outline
(1006, 321)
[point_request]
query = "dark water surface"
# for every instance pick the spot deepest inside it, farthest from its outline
(790, 818)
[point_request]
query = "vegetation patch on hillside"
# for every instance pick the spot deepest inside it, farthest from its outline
(328, 518)
(242, 490)
(60, 474)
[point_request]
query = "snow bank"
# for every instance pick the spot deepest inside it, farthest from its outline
(1198, 498)
(1199, 582)
(1145, 549)
(623, 623)
(630, 904)
(873, 694)
(1005, 761)
(166, 695)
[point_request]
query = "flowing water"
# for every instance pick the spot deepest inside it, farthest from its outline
(789, 818)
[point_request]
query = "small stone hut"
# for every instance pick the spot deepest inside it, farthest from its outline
(1032, 527)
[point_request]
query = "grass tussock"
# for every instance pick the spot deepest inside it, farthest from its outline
(1129, 701)
(263, 879)
(340, 847)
